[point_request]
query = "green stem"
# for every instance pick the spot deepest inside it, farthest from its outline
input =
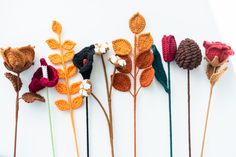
(170, 112)
(50, 123)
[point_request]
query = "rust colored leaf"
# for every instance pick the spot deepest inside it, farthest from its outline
(75, 87)
(128, 67)
(146, 77)
(13, 79)
(68, 45)
(61, 88)
(71, 71)
(77, 102)
(55, 58)
(145, 42)
(144, 59)
(56, 27)
(62, 105)
(121, 82)
(31, 97)
(137, 23)
(61, 73)
(68, 56)
(53, 44)
(121, 47)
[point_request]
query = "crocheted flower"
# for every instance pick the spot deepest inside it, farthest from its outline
(169, 48)
(85, 88)
(217, 53)
(45, 76)
(18, 59)
(117, 61)
(83, 60)
(101, 48)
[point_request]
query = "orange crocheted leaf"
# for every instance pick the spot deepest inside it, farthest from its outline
(137, 23)
(146, 77)
(75, 87)
(122, 47)
(128, 67)
(145, 42)
(55, 58)
(121, 82)
(62, 105)
(71, 71)
(68, 56)
(61, 88)
(53, 44)
(61, 73)
(56, 27)
(144, 59)
(77, 102)
(68, 45)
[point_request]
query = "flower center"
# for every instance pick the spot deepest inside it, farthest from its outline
(85, 61)
(45, 71)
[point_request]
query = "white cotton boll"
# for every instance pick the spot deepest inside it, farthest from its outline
(87, 86)
(45, 71)
(122, 62)
(113, 59)
(102, 49)
(96, 49)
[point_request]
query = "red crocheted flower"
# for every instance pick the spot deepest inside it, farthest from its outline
(45, 76)
(221, 50)
(169, 48)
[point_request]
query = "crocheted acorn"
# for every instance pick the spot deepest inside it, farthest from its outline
(188, 54)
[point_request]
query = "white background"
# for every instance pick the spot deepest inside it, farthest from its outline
(86, 22)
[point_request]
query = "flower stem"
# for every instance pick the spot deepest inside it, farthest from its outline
(50, 124)
(189, 116)
(206, 121)
(16, 114)
(135, 97)
(170, 112)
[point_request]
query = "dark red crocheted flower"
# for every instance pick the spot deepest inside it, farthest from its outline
(169, 48)
(45, 76)
(221, 50)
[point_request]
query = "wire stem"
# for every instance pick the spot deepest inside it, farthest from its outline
(87, 125)
(189, 116)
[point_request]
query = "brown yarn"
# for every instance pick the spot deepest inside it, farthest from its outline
(188, 55)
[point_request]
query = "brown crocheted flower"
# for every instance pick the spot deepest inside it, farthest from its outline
(18, 59)
(188, 55)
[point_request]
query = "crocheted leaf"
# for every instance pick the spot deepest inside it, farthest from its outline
(160, 73)
(77, 102)
(68, 45)
(55, 58)
(71, 71)
(75, 87)
(146, 77)
(61, 88)
(144, 59)
(62, 105)
(128, 67)
(56, 27)
(137, 23)
(121, 82)
(53, 44)
(68, 56)
(14, 79)
(145, 42)
(31, 97)
(121, 47)
(61, 73)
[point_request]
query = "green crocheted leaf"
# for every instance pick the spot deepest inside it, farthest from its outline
(160, 73)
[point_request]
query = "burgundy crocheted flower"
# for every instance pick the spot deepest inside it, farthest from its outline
(169, 48)
(45, 76)
(221, 50)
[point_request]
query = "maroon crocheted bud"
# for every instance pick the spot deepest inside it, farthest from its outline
(169, 48)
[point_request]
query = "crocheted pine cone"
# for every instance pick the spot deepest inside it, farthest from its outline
(188, 54)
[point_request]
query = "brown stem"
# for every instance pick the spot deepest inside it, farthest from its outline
(109, 104)
(17, 113)
(189, 116)
(139, 90)
(112, 80)
(135, 106)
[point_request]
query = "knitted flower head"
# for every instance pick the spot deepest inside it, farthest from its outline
(18, 59)
(45, 76)
(169, 48)
(83, 60)
(217, 53)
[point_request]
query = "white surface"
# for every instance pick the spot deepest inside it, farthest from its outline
(29, 22)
